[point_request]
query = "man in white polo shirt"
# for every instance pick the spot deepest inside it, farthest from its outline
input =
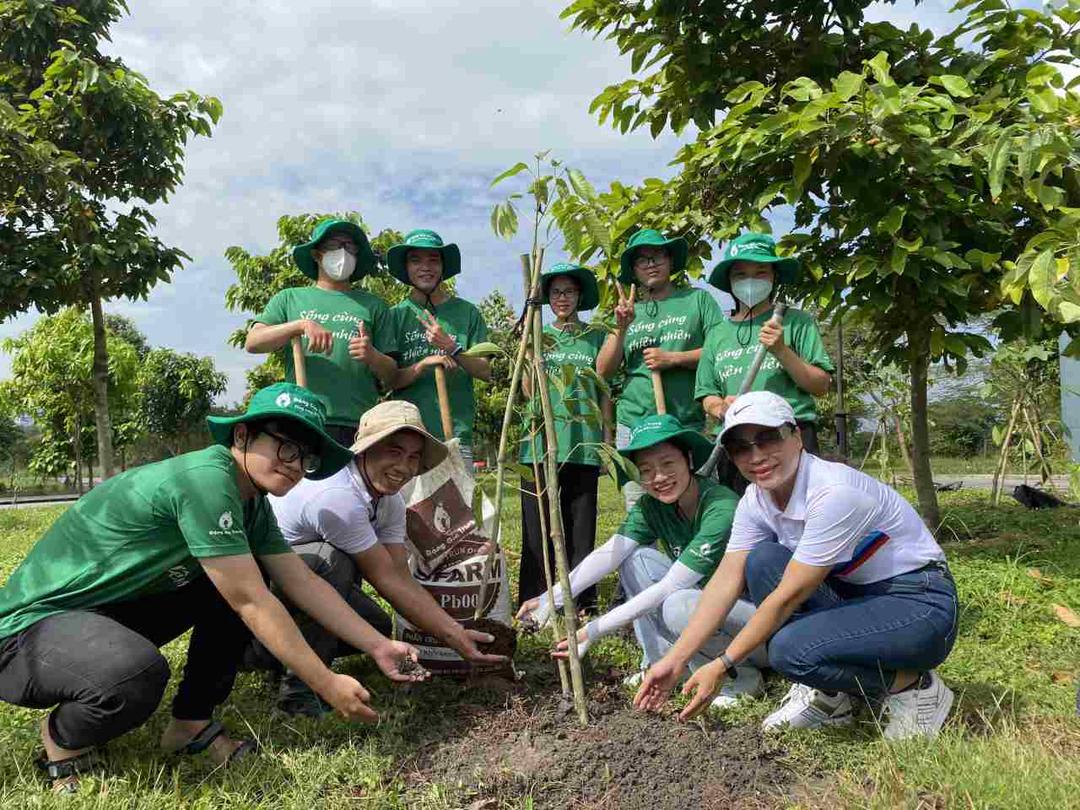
(350, 527)
(853, 595)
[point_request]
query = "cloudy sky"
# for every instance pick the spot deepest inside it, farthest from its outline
(400, 109)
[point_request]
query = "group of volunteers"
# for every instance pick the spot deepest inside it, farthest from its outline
(260, 544)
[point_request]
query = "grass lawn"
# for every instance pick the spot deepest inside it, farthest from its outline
(1013, 740)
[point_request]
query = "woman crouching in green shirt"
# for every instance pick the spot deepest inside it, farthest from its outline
(162, 549)
(567, 289)
(797, 368)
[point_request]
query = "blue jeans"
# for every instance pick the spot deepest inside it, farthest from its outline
(855, 638)
(659, 629)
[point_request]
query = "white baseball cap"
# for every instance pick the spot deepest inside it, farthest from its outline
(758, 408)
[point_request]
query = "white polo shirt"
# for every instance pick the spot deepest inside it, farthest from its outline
(841, 518)
(339, 510)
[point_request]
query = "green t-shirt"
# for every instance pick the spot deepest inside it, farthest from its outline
(699, 544)
(730, 348)
(408, 344)
(578, 421)
(139, 533)
(679, 323)
(346, 386)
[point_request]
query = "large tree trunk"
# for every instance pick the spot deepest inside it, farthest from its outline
(101, 390)
(77, 448)
(919, 358)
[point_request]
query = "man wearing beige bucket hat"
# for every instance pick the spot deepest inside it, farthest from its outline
(351, 527)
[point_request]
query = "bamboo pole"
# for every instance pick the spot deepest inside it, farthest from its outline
(1003, 459)
(577, 681)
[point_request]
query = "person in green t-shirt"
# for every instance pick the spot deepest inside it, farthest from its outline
(663, 332)
(571, 348)
(798, 368)
(667, 548)
(345, 329)
(433, 327)
(162, 549)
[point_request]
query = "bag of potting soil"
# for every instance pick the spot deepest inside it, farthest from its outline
(447, 555)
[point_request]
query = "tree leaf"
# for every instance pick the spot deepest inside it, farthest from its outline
(999, 161)
(516, 169)
(483, 350)
(847, 84)
(956, 86)
(893, 220)
(1042, 276)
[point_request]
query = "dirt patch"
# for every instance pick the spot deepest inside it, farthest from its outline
(533, 746)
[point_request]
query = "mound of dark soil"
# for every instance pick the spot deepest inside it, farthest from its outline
(505, 642)
(622, 759)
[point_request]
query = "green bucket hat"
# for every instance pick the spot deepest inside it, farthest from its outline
(753, 247)
(365, 258)
(287, 401)
(590, 293)
(422, 238)
(656, 428)
(677, 247)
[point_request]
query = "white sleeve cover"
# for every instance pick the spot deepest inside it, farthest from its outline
(678, 577)
(600, 562)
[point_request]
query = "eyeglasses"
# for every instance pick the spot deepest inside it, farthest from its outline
(668, 469)
(768, 441)
(341, 242)
(289, 451)
(569, 292)
(654, 260)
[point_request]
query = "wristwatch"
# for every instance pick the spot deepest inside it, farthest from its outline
(729, 666)
(458, 350)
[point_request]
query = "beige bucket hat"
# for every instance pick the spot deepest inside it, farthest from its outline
(390, 417)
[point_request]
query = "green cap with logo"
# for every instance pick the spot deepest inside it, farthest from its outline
(365, 257)
(285, 401)
(590, 293)
(753, 247)
(425, 239)
(655, 428)
(646, 237)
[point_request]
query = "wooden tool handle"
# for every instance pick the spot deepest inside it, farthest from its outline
(658, 392)
(444, 403)
(299, 364)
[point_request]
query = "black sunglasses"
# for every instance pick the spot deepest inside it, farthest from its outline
(767, 440)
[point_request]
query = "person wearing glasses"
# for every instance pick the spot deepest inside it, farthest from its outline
(350, 527)
(853, 595)
(567, 289)
(664, 332)
(668, 546)
(344, 328)
(164, 548)
(797, 368)
(433, 327)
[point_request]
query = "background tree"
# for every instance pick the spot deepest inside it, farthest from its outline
(52, 381)
(491, 395)
(259, 278)
(87, 145)
(176, 394)
(932, 179)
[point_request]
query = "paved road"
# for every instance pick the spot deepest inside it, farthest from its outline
(25, 501)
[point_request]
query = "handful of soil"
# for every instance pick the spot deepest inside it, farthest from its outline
(406, 666)
(505, 642)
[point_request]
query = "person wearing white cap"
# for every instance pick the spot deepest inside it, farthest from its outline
(852, 591)
(350, 527)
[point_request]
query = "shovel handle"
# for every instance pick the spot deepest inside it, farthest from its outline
(444, 403)
(658, 392)
(299, 363)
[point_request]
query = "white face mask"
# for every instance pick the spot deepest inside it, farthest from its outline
(338, 264)
(751, 291)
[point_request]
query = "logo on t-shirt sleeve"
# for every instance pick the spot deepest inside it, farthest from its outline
(226, 519)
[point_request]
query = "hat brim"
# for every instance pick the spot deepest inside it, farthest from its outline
(677, 246)
(786, 269)
(759, 421)
(365, 258)
(434, 453)
(590, 291)
(395, 260)
(698, 446)
(333, 455)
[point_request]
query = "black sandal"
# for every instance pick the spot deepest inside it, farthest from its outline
(201, 741)
(64, 773)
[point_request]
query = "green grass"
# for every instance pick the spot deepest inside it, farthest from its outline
(1012, 742)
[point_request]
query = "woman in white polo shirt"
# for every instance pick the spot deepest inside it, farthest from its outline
(853, 595)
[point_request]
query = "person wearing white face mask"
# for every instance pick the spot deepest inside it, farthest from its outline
(343, 328)
(798, 367)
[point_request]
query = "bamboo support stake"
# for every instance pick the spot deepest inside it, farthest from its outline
(299, 364)
(577, 681)
(1003, 459)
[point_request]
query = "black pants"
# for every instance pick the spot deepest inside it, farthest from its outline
(102, 671)
(577, 496)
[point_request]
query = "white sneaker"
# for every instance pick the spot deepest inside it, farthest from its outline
(806, 707)
(748, 684)
(918, 711)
